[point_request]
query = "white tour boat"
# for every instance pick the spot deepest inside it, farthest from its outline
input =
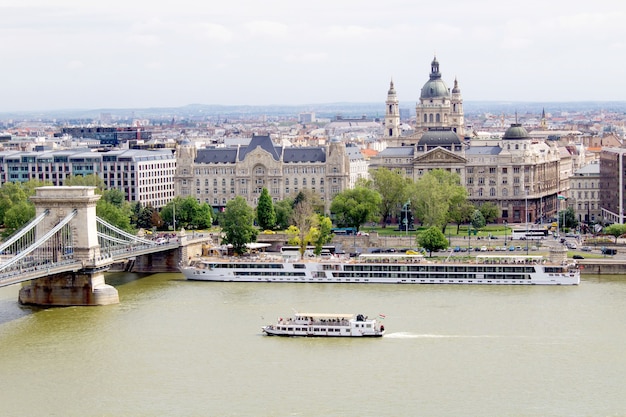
(325, 325)
(390, 269)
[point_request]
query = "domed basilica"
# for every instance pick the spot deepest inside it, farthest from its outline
(520, 174)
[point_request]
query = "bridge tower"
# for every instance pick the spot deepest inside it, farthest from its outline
(83, 287)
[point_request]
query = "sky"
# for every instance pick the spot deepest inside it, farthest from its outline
(85, 54)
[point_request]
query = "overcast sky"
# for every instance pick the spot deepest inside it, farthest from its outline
(76, 54)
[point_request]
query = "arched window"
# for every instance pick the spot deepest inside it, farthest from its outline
(390, 132)
(480, 192)
(425, 118)
(430, 118)
(492, 192)
(438, 118)
(505, 192)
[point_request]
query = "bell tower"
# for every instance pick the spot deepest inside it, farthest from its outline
(392, 114)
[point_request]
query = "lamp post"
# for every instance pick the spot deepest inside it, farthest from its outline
(406, 217)
(526, 219)
(504, 233)
(174, 215)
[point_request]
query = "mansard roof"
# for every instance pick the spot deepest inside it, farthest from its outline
(483, 150)
(261, 141)
(294, 154)
(439, 136)
(216, 156)
(354, 152)
(228, 155)
(397, 151)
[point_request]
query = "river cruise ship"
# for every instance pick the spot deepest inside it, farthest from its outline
(325, 325)
(389, 269)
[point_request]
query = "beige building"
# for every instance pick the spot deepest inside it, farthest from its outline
(520, 174)
(585, 193)
(216, 175)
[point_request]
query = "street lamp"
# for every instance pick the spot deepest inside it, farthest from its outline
(504, 233)
(526, 219)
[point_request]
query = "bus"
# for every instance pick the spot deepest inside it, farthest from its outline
(343, 230)
(530, 234)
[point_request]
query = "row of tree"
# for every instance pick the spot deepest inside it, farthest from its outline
(436, 199)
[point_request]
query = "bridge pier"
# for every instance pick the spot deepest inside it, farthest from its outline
(81, 288)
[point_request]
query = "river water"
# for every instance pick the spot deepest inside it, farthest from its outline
(180, 348)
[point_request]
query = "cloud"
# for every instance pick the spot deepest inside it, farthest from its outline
(307, 57)
(215, 32)
(266, 28)
(75, 65)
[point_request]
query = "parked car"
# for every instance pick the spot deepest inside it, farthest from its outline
(586, 248)
(578, 257)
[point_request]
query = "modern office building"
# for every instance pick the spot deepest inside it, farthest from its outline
(146, 177)
(612, 185)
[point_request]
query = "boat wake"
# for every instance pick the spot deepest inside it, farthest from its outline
(404, 335)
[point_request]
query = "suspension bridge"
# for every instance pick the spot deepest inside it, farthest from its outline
(62, 254)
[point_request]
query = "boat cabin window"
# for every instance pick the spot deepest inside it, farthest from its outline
(299, 266)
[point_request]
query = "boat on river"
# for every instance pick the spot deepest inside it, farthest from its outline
(388, 269)
(325, 325)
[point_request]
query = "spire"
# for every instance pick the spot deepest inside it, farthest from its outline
(456, 89)
(434, 69)
(392, 90)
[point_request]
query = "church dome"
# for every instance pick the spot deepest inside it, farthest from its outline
(442, 136)
(435, 87)
(516, 132)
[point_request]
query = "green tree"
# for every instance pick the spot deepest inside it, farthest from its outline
(146, 217)
(13, 194)
(478, 221)
(354, 207)
(434, 194)
(237, 225)
(568, 218)
(490, 211)
(312, 198)
(265, 212)
(17, 216)
(115, 197)
(392, 187)
(187, 213)
(322, 233)
(432, 239)
(284, 212)
(303, 219)
(91, 180)
(117, 216)
(615, 230)
(461, 213)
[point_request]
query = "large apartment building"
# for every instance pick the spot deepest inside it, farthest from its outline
(144, 176)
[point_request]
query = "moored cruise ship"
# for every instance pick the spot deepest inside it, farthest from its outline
(391, 269)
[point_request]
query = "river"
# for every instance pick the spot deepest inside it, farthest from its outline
(180, 348)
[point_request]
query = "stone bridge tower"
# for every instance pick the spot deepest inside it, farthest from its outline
(85, 286)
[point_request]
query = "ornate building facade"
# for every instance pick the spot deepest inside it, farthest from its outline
(520, 174)
(216, 175)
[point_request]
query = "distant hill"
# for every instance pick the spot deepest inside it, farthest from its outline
(322, 110)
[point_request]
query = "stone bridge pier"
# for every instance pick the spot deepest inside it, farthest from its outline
(86, 286)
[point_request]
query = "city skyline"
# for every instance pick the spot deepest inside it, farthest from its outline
(76, 55)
